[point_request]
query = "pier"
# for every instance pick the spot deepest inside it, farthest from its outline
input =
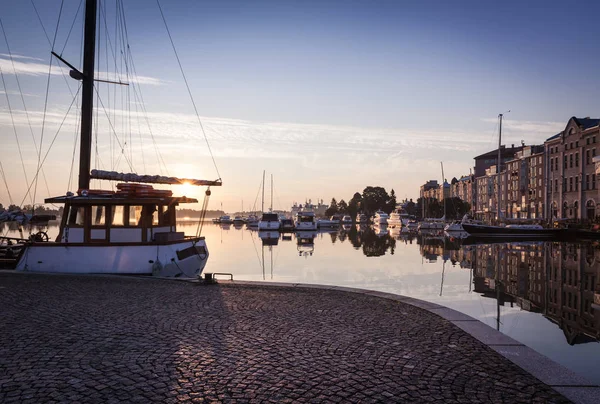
(141, 339)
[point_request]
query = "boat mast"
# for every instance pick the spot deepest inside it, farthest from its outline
(443, 190)
(271, 192)
(87, 96)
(498, 166)
(263, 193)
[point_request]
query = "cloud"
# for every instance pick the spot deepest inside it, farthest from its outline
(39, 69)
(17, 56)
(17, 93)
(529, 127)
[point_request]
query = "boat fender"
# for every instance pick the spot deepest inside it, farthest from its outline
(157, 268)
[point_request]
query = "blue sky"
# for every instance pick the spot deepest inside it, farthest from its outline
(328, 96)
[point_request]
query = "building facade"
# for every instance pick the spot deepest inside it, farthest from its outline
(571, 188)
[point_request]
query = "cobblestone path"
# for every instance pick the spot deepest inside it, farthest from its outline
(108, 339)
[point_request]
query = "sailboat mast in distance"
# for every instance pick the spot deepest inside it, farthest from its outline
(263, 192)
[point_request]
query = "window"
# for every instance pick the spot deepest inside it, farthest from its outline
(577, 143)
(576, 159)
(98, 215)
(555, 185)
(550, 186)
(576, 183)
(76, 216)
(570, 183)
(565, 161)
(551, 164)
(593, 181)
(118, 216)
(571, 146)
(594, 139)
(588, 160)
(593, 153)
(564, 185)
(587, 141)
(570, 161)
(587, 181)
(135, 213)
(566, 146)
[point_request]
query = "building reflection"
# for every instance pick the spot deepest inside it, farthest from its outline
(559, 280)
(374, 242)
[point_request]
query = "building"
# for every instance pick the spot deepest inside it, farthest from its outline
(464, 189)
(489, 159)
(525, 184)
(571, 190)
(486, 194)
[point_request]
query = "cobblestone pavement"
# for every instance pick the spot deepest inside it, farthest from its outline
(109, 339)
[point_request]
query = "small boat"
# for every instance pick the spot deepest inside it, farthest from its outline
(347, 219)
(326, 223)
(396, 219)
(381, 218)
(252, 222)
(286, 224)
(432, 224)
(269, 221)
(512, 231)
(226, 219)
(305, 221)
(238, 220)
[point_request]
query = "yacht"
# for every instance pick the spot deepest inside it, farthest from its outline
(381, 218)
(347, 219)
(397, 219)
(269, 221)
(305, 221)
(286, 224)
(252, 222)
(238, 220)
(226, 219)
(432, 224)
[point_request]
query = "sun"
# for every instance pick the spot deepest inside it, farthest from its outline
(186, 189)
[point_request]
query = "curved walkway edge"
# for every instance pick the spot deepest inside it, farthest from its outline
(573, 386)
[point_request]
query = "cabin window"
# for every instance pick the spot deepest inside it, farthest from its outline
(135, 214)
(118, 215)
(98, 215)
(155, 217)
(76, 216)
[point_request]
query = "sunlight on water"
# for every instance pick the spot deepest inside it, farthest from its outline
(533, 298)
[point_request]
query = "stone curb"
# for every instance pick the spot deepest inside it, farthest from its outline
(571, 385)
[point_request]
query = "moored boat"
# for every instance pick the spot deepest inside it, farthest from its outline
(512, 231)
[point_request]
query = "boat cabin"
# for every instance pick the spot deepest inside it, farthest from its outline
(113, 219)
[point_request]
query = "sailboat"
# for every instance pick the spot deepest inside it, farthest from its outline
(269, 220)
(512, 231)
(129, 231)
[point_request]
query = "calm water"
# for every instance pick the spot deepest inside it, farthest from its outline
(544, 290)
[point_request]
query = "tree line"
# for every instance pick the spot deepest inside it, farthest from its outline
(368, 202)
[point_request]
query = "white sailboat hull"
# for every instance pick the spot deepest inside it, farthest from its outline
(171, 259)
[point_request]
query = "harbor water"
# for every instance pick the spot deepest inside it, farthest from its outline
(539, 293)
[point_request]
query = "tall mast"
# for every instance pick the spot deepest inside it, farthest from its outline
(443, 190)
(271, 192)
(87, 96)
(498, 167)
(263, 193)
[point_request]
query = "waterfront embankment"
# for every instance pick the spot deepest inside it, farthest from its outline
(110, 339)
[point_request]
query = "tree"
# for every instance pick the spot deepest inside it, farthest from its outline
(391, 202)
(355, 205)
(374, 199)
(332, 209)
(1, 207)
(12, 207)
(342, 207)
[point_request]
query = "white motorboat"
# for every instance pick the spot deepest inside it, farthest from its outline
(381, 218)
(305, 220)
(397, 219)
(269, 221)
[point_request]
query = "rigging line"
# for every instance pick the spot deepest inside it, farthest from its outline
(51, 144)
(10, 199)
(140, 99)
(114, 132)
(188, 89)
(14, 126)
(22, 98)
(72, 25)
(46, 105)
(41, 23)
(136, 89)
(139, 128)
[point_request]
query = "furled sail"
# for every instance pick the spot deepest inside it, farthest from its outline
(149, 179)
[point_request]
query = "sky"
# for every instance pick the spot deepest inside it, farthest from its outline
(328, 97)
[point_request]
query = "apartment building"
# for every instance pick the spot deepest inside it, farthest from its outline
(571, 186)
(525, 178)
